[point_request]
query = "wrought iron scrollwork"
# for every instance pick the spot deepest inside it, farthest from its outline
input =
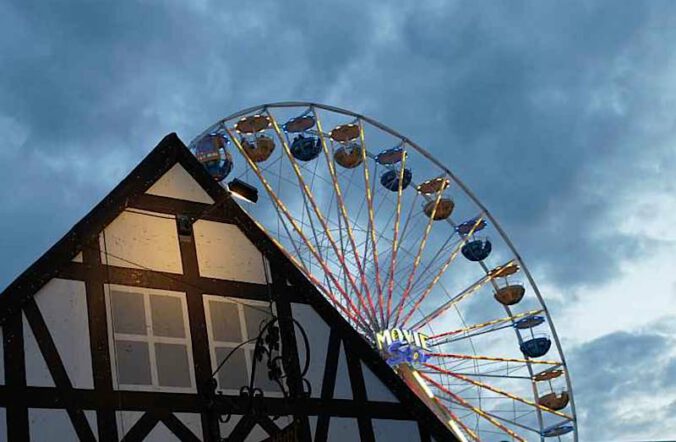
(267, 351)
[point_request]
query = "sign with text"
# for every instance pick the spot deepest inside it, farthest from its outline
(402, 346)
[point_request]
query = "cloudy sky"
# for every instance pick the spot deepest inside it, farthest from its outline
(561, 116)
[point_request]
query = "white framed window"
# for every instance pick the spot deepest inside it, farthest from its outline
(230, 323)
(149, 337)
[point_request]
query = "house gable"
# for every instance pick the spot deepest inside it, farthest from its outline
(350, 384)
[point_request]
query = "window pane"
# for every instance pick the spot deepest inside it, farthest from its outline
(133, 363)
(172, 365)
(234, 374)
(128, 312)
(225, 321)
(167, 316)
(262, 380)
(255, 316)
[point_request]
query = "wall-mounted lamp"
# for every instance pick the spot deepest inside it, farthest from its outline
(243, 191)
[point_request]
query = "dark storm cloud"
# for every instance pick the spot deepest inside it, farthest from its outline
(547, 110)
(87, 88)
(621, 381)
(518, 98)
(523, 103)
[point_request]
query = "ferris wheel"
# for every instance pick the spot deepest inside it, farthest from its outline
(409, 257)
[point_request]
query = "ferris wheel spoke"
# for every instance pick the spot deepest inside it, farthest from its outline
(356, 316)
(509, 421)
(459, 400)
(421, 248)
(460, 296)
(424, 274)
(485, 375)
(372, 226)
(320, 217)
(455, 420)
(436, 280)
(404, 231)
(496, 390)
(295, 246)
(395, 237)
(341, 204)
(320, 245)
(495, 359)
(326, 292)
(466, 332)
(366, 263)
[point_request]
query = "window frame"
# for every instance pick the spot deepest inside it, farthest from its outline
(249, 348)
(149, 338)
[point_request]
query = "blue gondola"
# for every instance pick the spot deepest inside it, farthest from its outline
(536, 347)
(529, 322)
(210, 151)
(218, 171)
(559, 430)
(390, 179)
(305, 148)
(477, 250)
(466, 227)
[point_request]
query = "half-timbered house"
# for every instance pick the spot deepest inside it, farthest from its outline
(117, 332)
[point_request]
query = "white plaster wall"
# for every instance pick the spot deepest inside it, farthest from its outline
(48, 425)
(318, 334)
(313, 426)
(375, 389)
(37, 373)
(343, 429)
(224, 252)
(126, 420)
(257, 433)
(142, 240)
(78, 257)
(343, 388)
(226, 427)
(193, 421)
(160, 433)
(63, 304)
(177, 183)
(387, 430)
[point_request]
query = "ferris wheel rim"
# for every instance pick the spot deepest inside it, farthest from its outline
(467, 191)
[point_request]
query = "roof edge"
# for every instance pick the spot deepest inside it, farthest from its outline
(46, 267)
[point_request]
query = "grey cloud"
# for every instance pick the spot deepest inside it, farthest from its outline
(548, 110)
(512, 103)
(508, 91)
(617, 374)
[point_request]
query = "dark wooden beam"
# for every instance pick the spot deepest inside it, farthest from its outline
(358, 391)
(198, 334)
(47, 397)
(98, 339)
(56, 368)
(170, 281)
(178, 428)
(141, 428)
(328, 383)
(290, 354)
(15, 378)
